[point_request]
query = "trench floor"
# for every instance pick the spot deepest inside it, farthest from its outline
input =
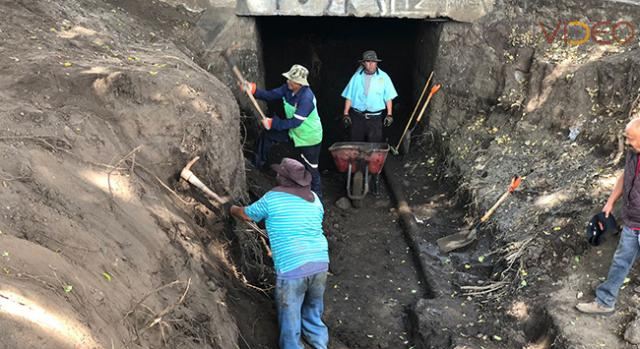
(374, 280)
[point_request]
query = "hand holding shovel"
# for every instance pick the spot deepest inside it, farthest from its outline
(243, 83)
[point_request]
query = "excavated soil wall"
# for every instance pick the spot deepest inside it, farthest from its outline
(101, 107)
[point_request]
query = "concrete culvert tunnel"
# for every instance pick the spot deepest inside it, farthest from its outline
(330, 48)
(389, 286)
(377, 275)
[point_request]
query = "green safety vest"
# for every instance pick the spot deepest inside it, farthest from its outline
(310, 131)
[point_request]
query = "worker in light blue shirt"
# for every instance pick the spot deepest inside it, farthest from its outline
(368, 101)
(368, 104)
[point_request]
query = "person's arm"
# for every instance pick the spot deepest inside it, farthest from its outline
(347, 106)
(389, 104)
(389, 94)
(285, 124)
(238, 212)
(271, 95)
(349, 94)
(256, 212)
(615, 195)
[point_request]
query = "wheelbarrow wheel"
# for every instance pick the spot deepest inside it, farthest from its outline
(357, 188)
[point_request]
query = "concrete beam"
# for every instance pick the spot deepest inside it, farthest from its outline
(460, 10)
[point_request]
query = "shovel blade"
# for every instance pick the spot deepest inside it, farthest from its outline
(455, 241)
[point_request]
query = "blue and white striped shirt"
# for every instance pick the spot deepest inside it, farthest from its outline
(294, 226)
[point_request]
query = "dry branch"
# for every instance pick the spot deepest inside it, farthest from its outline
(149, 294)
(132, 153)
(510, 253)
(167, 310)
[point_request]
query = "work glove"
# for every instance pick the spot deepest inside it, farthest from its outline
(346, 120)
(267, 123)
(388, 120)
(247, 86)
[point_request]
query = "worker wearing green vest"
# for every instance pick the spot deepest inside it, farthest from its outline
(302, 119)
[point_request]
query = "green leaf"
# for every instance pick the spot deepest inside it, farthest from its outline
(481, 259)
(107, 276)
(67, 288)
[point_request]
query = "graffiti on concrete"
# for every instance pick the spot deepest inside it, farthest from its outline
(379, 8)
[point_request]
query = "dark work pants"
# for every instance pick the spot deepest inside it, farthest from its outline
(366, 130)
(310, 157)
(273, 145)
(267, 139)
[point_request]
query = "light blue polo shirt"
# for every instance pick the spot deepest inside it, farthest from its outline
(294, 226)
(380, 91)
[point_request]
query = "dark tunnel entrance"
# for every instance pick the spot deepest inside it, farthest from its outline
(330, 48)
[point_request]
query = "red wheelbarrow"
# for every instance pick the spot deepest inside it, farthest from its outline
(358, 160)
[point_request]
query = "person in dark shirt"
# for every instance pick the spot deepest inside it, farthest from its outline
(628, 187)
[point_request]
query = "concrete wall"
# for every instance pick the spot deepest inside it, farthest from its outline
(460, 10)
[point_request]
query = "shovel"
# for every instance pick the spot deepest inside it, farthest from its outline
(466, 236)
(433, 91)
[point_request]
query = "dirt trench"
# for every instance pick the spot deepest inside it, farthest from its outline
(102, 103)
(513, 104)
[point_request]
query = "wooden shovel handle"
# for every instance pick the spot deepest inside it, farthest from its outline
(240, 78)
(515, 182)
(434, 89)
(494, 207)
(413, 113)
(424, 90)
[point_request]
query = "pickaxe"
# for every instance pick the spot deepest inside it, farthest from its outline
(190, 177)
(241, 80)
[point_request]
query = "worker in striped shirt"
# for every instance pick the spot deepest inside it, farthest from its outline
(293, 216)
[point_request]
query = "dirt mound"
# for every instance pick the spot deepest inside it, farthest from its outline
(98, 116)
